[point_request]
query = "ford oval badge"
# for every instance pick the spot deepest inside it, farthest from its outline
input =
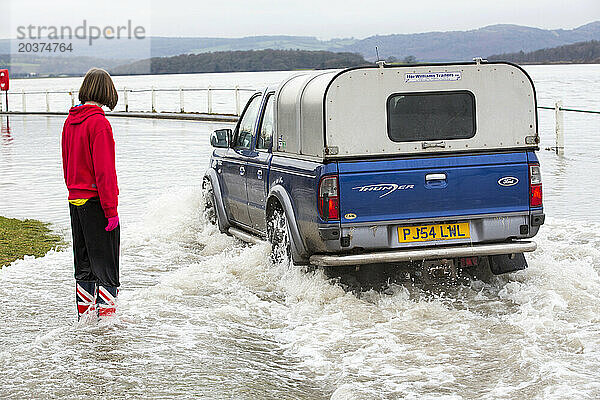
(350, 216)
(508, 181)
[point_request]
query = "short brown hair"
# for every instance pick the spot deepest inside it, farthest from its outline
(98, 87)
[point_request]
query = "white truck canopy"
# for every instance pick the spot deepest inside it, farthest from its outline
(400, 110)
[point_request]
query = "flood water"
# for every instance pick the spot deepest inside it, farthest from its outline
(204, 316)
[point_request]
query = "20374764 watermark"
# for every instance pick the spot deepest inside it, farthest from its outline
(53, 39)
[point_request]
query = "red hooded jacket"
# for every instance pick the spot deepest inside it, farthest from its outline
(88, 153)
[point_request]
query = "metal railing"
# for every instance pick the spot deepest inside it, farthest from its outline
(126, 93)
(237, 93)
(559, 131)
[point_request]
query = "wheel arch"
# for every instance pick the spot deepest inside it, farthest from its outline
(278, 196)
(211, 176)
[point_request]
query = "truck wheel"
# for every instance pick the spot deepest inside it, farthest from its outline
(279, 237)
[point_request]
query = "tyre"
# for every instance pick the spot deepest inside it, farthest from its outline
(279, 236)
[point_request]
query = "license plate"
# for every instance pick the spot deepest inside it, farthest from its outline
(428, 233)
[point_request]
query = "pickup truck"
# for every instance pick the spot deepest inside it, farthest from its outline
(385, 164)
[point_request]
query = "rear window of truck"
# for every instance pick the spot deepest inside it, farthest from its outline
(431, 116)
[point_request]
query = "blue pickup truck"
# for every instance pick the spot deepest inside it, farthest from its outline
(385, 164)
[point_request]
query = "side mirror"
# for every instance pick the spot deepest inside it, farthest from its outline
(221, 138)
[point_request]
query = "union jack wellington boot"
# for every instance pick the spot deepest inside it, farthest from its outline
(106, 300)
(85, 297)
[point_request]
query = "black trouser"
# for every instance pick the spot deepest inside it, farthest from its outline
(96, 251)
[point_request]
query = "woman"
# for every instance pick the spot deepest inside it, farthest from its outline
(88, 153)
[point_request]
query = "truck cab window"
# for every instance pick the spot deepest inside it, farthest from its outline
(267, 126)
(243, 137)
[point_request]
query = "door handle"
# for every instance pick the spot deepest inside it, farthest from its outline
(435, 177)
(259, 173)
(242, 171)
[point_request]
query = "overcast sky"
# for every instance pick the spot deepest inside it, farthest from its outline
(325, 19)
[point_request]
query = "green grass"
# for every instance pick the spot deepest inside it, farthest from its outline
(19, 238)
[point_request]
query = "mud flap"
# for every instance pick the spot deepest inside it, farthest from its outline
(505, 263)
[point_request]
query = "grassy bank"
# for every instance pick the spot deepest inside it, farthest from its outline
(19, 238)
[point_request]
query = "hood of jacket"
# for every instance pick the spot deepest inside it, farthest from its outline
(80, 113)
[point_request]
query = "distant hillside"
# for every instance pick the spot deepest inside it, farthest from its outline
(578, 53)
(430, 46)
(240, 61)
(170, 46)
(23, 65)
(464, 45)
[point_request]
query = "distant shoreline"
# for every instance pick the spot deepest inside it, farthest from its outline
(291, 70)
(587, 52)
(556, 63)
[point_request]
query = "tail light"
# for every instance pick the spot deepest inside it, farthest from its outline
(535, 186)
(329, 200)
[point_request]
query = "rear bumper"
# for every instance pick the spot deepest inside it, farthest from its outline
(484, 228)
(330, 260)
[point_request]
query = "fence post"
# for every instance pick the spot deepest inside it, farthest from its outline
(126, 99)
(72, 93)
(209, 99)
(237, 100)
(560, 134)
(153, 100)
(47, 102)
(181, 109)
(23, 100)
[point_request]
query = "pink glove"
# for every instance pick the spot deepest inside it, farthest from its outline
(113, 222)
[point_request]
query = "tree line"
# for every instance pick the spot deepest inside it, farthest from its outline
(242, 61)
(577, 53)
